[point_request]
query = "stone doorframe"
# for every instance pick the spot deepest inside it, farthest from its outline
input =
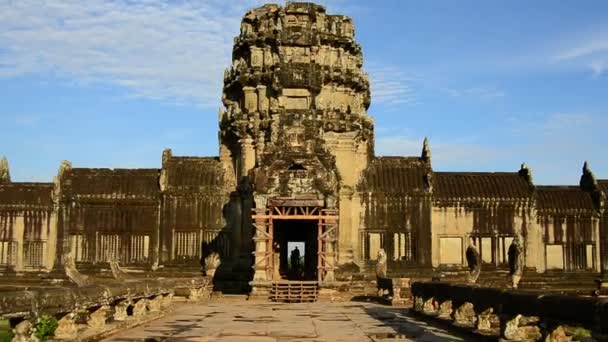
(294, 209)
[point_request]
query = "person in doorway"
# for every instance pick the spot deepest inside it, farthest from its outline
(294, 258)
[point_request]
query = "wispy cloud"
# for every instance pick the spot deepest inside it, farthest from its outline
(163, 50)
(554, 145)
(455, 154)
(590, 52)
(28, 120)
(391, 85)
(482, 93)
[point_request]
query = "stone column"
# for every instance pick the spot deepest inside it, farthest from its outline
(604, 245)
(251, 100)
(261, 241)
(247, 156)
(234, 217)
(246, 191)
(348, 233)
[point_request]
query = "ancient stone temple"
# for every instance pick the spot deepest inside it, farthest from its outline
(297, 164)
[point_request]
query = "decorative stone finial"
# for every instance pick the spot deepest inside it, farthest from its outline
(426, 150)
(5, 176)
(588, 181)
(167, 154)
(526, 173)
(64, 167)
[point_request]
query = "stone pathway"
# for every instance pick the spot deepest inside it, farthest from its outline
(262, 322)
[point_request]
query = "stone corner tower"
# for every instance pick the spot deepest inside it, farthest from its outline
(295, 122)
(295, 91)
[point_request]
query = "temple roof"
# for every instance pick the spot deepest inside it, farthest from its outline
(562, 198)
(26, 193)
(499, 185)
(194, 173)
(117, 183)
(404, 175)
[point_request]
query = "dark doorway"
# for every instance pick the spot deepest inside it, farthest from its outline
(302, 234)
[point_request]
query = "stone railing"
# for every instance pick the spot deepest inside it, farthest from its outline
(514, 315)
(86, 310)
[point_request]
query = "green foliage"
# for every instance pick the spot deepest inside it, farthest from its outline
(45, 327)
(6, 333)
(578, 333)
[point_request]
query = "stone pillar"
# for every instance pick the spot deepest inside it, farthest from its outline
(261, 241)
(604, 245)
(595, 228)
(246, 191)
(251, 100)
(234, 217)
(348, 233)
(247, 156)
(18, 236)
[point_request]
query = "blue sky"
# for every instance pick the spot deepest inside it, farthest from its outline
(491, 83)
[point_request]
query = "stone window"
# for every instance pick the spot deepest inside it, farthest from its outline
(78, 247)
(108, 247)
(555, 257)
(375, 243)
(503, 249)
(140, 248)
(33, 254)
(186, 245)
(8, 252)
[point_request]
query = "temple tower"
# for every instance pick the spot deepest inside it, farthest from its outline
(295, 131)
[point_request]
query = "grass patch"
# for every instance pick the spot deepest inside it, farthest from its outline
(6, 333)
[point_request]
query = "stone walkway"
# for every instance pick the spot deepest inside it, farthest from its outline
(255, 321)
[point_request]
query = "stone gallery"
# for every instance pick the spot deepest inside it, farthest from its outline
(296, 165)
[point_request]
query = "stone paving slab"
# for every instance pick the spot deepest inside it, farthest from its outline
(307, 322)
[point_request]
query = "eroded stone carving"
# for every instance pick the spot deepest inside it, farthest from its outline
(73, 273)
(67, 329)
(5, 176)
(97, 320)
(520, 329)
(465, 315)
(516, 260)
(120, 310)
(117, 272)
(212, 262)
(141, 307)
(23, 332)
(445, 310)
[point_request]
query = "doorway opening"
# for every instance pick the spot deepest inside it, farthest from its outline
(296, 248)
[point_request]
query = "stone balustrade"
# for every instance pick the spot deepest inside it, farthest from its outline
(87, 309)
(513, 315)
